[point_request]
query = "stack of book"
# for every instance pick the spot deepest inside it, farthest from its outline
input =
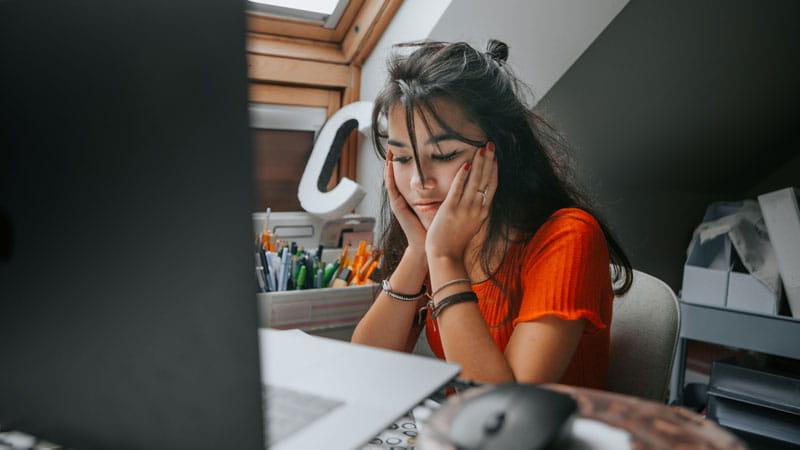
(760, 404)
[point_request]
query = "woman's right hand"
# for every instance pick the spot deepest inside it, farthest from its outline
(409, 222)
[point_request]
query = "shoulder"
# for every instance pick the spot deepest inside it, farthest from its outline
(569, 233)
(569, 223)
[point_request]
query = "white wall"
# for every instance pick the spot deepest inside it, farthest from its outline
(545, 37)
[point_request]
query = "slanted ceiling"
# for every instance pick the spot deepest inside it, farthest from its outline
(696, 96)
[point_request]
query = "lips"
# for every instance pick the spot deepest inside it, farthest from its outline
(427, 207)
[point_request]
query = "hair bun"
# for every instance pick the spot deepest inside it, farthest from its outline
(497, 50)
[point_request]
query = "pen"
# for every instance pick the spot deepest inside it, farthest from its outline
(310, 273)
(327, 275)
(266, 236)
(343, 258)
(371, 269)
(341, 280)
(301, 278)
(260, 274)
(266, 220)
(318, 279)
(362, 272)
(286, 267)
(296, 263)
(265, 266)
(362, 247)
(270, 271)
(335, 275)
(274, 267)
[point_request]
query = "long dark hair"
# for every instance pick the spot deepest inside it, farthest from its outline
(535, 177)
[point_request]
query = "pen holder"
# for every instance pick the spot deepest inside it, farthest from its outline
(315, 309)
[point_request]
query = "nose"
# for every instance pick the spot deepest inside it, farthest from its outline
(417, 182)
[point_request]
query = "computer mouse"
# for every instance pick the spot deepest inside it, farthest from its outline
(507, 417)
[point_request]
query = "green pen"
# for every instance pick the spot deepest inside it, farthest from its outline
(330, 270)
(301, 278)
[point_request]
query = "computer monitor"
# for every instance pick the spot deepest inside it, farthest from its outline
(127, 300)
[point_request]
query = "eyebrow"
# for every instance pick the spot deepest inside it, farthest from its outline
(433, 140)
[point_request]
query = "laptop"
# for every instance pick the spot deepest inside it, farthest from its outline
(323, 393)
(128, 316)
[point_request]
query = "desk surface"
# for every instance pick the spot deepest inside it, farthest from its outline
(651, 425)
(615, 421)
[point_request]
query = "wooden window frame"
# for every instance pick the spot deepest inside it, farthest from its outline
(288, 53)
(304, 29)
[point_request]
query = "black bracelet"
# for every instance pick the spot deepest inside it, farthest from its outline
(451, 300)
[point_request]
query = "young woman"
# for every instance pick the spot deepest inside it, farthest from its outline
(488, 247)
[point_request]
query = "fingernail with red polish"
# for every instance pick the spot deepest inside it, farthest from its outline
(467, 166)
(491, 146)
(483, 151)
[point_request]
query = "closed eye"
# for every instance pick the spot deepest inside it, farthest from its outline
(436, 157)
(448, 157)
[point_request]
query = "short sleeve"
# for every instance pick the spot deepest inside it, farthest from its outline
(566, 272)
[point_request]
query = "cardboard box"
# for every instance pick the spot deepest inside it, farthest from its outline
(746, 293)
(315, 309)
(707, 268)
(782, 217)
(708, 278)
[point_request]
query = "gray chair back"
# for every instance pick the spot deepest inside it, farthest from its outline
(644, 335)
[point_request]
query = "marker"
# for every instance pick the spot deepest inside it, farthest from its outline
(319, 253)
(371, 269)
(301, 278)
(318, 279)
(341, 280)
(274, 267)
(310, 273)
(330, 272)
(286, 267)
(260, 275)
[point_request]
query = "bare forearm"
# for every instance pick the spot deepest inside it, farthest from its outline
(389, 321)
(465, 337)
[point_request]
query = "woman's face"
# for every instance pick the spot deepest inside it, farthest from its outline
(439, 163)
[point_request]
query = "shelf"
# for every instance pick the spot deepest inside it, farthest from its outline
(776, 335)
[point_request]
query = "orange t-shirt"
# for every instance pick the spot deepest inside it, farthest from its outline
(565, 273)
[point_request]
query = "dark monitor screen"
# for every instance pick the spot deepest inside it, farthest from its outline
(127, 311)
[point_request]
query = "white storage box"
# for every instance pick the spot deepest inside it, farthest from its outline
(708, 278)
(782, 216)
(707, 268)
(315, 309)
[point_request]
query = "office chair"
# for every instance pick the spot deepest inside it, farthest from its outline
(644, 336)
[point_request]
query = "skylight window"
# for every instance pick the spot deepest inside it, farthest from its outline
(327, 12)
(317, 6)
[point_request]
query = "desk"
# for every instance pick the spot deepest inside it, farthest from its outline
(616, 421)
(775, 335)
(651, 425)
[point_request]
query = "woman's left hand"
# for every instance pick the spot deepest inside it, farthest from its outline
(466, 207)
